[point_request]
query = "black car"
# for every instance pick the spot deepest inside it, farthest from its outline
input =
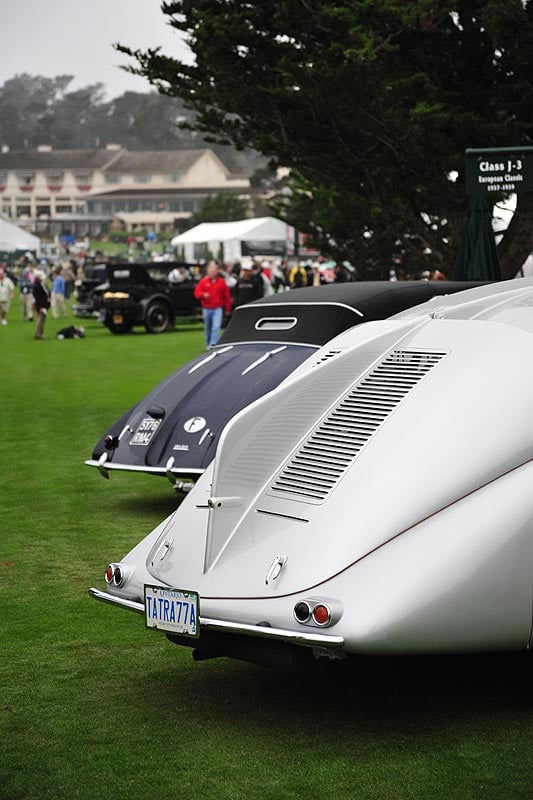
(151, 294)
(89, 290)
(175, 429)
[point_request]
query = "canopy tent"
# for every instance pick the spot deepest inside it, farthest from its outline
(243, 237)
(13, 238)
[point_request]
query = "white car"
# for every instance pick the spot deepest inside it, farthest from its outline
(380, 500)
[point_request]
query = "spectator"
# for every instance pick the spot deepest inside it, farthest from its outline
(67, 273)
(297, 276)
(179, 275)
(340, 275)
(279, 277)
(229, 277)
(250, 285)
(7, 292)
(437, 275)
(318, 277)
(42, 302)
(25, 284)
(215, 298)
(58, 294)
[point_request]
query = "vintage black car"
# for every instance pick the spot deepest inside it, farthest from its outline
(174, 430)
(89, 290)
(151, 294)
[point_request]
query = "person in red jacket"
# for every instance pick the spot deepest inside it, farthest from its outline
(214, 297)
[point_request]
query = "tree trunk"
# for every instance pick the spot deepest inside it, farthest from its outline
(517, 242)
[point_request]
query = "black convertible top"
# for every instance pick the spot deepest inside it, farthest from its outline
(315, 314)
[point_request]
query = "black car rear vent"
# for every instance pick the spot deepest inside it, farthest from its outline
(275, 323)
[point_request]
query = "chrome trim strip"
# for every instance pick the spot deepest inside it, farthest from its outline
(122, 602)
(296, 637)
(210, 357)
(264, 358)
(152, 470)
(306, 303)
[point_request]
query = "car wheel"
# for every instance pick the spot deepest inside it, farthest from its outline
(158, 318)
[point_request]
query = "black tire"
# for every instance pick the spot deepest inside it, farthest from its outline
(158, 317)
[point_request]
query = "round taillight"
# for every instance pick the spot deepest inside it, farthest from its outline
(302, 612)
(109, 573)
(321, 614)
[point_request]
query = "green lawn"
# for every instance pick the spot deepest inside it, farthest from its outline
(94, 706)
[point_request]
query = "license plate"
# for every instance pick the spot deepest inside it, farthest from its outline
(174, 610)
(118, 319)
(144, 433)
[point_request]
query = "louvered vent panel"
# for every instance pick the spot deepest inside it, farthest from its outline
(329, 354)
(321, 461)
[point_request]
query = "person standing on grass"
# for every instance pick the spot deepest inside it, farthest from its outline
(58, 294)
(41, 296)
(7, 292)
(69, 276)
(214, 296)
(25, 284)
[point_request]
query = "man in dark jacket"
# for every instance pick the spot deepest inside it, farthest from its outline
(41, 296)
(250, 285)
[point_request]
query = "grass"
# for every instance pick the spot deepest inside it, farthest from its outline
(94, 706)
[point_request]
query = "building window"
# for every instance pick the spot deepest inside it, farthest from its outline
(142, 178)
(6, 210)
(112, 178)
(42, 210)
(83, 178)
(23, 211)
(174, 177)
(26, 182)
(63, 209)
(54, 178)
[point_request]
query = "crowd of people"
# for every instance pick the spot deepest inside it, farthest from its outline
(42, 289)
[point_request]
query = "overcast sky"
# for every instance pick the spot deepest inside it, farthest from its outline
(75, 37)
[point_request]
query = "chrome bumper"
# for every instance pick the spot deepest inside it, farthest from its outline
(295, 637)
(109, 465)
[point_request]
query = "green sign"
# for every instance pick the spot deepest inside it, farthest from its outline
(505, 170)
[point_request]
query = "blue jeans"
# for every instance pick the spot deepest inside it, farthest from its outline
(212, 322)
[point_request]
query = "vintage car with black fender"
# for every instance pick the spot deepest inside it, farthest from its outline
(145, 294)
(174, 430)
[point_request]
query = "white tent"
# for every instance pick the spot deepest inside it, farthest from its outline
(14, 238)
(263, 235)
